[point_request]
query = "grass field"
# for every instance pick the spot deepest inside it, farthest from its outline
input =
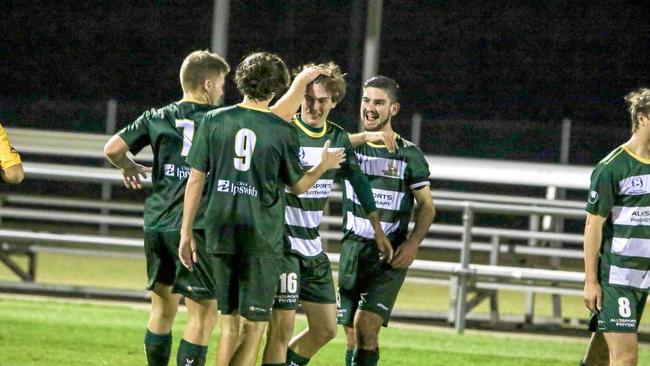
(36, 331)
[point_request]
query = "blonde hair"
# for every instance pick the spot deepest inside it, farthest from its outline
(334, 83)
(199, 66)
(638, 101)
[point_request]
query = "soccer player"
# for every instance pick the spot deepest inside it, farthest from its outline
(368, 286)
(170, 131)
(246, 155)
(617, 238)
(11, 166)
(306, 274)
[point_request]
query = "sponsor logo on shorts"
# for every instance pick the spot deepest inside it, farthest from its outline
(257, 310)
(382, 306)
(623, 323)
(192, 288)
(189, 362)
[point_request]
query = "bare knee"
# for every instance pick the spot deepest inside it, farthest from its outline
(280, 332)
(366, 327)
(324, 333)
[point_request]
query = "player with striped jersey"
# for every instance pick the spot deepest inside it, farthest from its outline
(245, 155)
(307, 275)
(368, 287)
(169, 131)
(617, 238)
(11, 166)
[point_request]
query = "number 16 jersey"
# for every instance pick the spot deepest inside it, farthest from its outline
(249, 155)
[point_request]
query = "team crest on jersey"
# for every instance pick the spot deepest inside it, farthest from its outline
(391, 169)
(302, 154)
(593, 197)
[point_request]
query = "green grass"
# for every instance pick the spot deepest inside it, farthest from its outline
(38, 331)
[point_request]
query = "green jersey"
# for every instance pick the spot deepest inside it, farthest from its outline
(620, 191)
(249, 155)
(304, 213)
(169, 131)
(392, 177)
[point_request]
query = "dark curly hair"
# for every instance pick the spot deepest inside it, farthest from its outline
(335, 83)
(261, 75)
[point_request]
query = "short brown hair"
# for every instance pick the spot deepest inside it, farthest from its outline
(638, 101)
(261, 75)
(199, 66)
(334, 83)
(386, 84)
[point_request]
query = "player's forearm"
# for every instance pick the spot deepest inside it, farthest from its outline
(357, 139)
(308, 179)
(115, 151)
(362, 189)
(373, 217)
(288, 104)
(592, 244)
(192, 199)
(13, 174)
(424, 215)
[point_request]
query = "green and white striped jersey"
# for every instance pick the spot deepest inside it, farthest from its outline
(304, 213)
(392, 177)
(620, 191)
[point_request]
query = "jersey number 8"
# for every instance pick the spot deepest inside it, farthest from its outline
(244, 145)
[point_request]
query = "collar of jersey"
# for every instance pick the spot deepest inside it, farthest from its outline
(309, 130)
(395, 136)
(265, 110)
(635, 156)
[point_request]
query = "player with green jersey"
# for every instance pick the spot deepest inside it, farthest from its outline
(306, 274)
(617, 238)
(245, 155)
(170, 132)
(368, 286)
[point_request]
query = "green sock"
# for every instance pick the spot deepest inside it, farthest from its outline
(364, 357)
(157, 348)
(348, 357)
(190, 354)
(294, 359)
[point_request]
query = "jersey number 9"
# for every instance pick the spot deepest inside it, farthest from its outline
(244, 145)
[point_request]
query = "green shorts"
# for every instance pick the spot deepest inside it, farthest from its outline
(621, 312)
(365, 282)
(305, 279)
(164, 266)
(246, 284)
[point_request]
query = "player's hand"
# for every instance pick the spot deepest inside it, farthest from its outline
(383, 137)
(309, 74)
(332, 159)
(131, 176)
(384, 246)
(593, 297)
(187, 251)
(405, 254)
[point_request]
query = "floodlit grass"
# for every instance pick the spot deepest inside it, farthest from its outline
(130, 273)
(38, 331)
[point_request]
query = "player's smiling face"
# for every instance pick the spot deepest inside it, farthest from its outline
(316, 105)
(376, 109)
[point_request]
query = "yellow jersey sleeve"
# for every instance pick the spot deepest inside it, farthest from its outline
(8, 155)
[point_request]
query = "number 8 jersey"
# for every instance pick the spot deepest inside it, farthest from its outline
(249, 155)
(169, 131)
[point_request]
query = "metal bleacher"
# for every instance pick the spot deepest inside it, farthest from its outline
(469, 282)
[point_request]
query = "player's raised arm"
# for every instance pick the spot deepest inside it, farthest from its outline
(377, 137)
(115, 151)
(288, 104)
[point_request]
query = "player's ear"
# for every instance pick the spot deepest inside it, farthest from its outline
(394, 108)
(207, 84)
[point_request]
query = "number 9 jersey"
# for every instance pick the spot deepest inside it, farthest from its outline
(249, 155)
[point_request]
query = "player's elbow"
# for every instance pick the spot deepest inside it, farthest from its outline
(298, 189)
(14, 174)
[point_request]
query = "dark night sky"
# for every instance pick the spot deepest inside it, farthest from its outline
(506, 60)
